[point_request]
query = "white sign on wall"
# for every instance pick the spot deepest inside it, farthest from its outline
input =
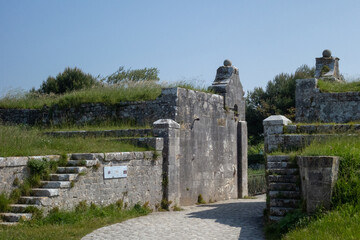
(115, 172)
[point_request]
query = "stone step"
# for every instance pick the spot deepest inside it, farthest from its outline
(284, 194)
(284, 178)
(71, 169)
(283, 165)
(32, 200)
(45, 192)
(63, 177)
(8, 223)
(55, 184)
(21, 208)
(287, 203)
(277, 158)
(15, 217)
(280, 211)
(86, 163)
(283, 171)
(275, 218)
(284, 186)
(83, 156)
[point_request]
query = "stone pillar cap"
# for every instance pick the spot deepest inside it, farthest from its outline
(276, 120)
(165, 123)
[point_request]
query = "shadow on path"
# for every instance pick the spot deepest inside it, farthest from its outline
(247, 215)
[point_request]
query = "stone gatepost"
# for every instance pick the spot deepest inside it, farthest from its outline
(242, 147)
(170, 131)
(273, 126)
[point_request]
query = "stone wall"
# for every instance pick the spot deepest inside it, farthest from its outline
(315, 106)
(208, 147)
(142, 184)
(141, 112)
(12, 168)
(205, 137)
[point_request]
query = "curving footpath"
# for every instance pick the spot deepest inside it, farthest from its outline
(232, 219)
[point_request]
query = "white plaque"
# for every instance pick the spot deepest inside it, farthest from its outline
(115, 172)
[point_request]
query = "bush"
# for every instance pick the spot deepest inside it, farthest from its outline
(69, 80)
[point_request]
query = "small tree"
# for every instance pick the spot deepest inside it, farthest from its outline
(279, 98)
(133, 75)
(69, 80)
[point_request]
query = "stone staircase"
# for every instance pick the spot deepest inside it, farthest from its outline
(284, 192)
(64, 178)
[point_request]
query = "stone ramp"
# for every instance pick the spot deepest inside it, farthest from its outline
(231, 219)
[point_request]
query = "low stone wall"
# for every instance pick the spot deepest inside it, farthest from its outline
(315, 106)
(142, 184)
(12, 168)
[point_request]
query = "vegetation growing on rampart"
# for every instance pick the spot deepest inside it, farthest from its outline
(343, 221)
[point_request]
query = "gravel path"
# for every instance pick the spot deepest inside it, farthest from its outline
(232, 219)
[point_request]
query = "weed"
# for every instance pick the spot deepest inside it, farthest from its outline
(96, 166)
(120, 203)
(81, 207)
(72, 184)
(4, 202)
(176, 208)
(165, 204)
(16, 182)
(37, 213)
(201, 200)
(63, 160)
(82, 163)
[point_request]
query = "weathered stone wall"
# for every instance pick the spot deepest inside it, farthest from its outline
(315, 106)
(12, 168)
(142, 184)
(141, 112)
(208, 147)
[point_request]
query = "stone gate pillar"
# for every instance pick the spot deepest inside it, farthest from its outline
(170, 131)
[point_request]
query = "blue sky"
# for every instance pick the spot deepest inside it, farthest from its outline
(185, 40)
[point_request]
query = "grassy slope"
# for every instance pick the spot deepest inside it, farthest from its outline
(326, 86)
(107, 94)
(24, 141)
(344, 221)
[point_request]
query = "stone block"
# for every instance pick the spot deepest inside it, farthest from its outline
(318, 177)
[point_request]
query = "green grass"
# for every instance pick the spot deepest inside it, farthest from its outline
(107, 94)
(28, 141)
(252, 172)
(340, 224)
(109, 124)
(327, 86)
(60, 225)
(343, 221)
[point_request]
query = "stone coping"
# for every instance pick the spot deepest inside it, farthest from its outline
(110, 156)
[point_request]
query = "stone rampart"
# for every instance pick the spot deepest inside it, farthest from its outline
(315, 106)
(142, 112)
